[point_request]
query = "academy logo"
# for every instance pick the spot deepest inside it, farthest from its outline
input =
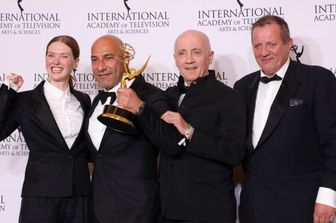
(20, 6)
(127, 6)
(237, 18)
(22, 22)
(325, 12)
(298, 53)
(161, 80)
(2, 77)
(128, 22)
(240, 4)
(14, 145)
(2, 203)
(85, 82)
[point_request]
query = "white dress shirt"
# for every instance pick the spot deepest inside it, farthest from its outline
(97, 129)
(182, 95)
(265, 96)
(67, 111)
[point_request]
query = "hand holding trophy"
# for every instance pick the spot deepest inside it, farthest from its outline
(113, 116)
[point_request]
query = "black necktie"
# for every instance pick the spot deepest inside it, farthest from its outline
(266, 80)
(103, 95)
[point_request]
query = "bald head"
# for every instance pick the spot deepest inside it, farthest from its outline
(193, 34)
(193, 55)
(108, 41)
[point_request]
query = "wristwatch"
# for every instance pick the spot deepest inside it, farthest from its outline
(140, 109)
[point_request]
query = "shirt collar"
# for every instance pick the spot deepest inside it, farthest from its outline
(281, 72)
(54, 92)
(200, 79)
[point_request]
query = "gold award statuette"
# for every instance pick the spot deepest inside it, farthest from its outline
(113, 116)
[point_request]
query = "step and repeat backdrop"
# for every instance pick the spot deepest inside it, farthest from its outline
(151, 27)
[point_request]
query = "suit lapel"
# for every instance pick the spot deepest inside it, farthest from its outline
(251, 95)
(93, 107)
(87, 121)
(108, 131)
(85, 107)
(281, 102)
(44, 114)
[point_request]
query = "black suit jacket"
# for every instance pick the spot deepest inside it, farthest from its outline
(53, 170)
(296, 153)
(125, 181)
(196, 180)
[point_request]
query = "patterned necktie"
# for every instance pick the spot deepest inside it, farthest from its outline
(103, 95)
(266, 80)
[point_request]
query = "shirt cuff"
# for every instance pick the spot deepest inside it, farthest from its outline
(10, 84)
(326, 196)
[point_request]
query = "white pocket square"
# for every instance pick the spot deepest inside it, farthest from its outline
(295, 102)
